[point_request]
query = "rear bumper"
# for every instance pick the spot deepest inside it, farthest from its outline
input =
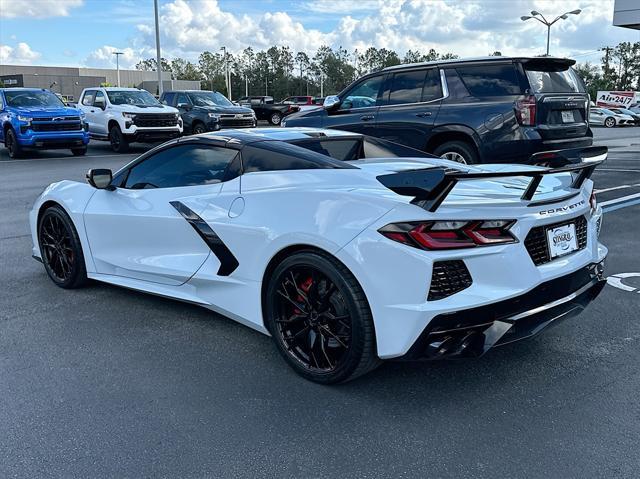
(472, 332)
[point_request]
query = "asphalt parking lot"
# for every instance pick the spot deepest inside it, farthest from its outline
(105, 382)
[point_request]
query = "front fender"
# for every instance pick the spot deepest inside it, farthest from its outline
(73, 197)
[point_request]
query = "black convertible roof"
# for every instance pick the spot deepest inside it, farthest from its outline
(252, 135)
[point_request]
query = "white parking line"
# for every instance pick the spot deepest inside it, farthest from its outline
(2, 162)
(619, 203)
(621, 187)
(615, 169)
(620, 200)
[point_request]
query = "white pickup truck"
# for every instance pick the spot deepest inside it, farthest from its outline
(125, 115)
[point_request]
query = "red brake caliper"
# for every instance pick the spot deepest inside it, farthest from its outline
(304, 286)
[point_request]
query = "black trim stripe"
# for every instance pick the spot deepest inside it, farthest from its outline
(228, 262)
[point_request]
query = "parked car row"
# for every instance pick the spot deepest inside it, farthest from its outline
(610, 117)
(267, 109)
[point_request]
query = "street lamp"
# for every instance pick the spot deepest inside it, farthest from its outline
(117, 54)
(535, 14)
(227, 79)
(158, 56)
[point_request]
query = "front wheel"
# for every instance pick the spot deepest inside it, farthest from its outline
(320, 319)
(609, 122)
(198, 129)
(60, 249)
(275, 118)
(11, 142)
(119, 143)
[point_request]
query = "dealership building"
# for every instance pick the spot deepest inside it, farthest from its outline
(69, 81)
(626, 13)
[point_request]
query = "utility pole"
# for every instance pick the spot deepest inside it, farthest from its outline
(117, 54)
(158, 56)
(227, 77)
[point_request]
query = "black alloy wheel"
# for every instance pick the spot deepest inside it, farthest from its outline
(79, 151)
(320, 319)
(199, 128)
(60, 249)
(119, 143)
(11, 142)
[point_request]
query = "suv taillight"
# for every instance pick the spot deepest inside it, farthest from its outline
(435, 235)
(526, 110)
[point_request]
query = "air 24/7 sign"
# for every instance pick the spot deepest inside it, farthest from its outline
(617, 99)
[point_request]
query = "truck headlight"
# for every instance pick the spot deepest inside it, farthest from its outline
(215, 116)
(26, 119)
(129, 116)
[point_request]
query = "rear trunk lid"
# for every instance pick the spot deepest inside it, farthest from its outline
(562, 103)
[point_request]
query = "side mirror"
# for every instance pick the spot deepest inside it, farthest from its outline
(331, 102)
(184, 106)
(99, 178)
(99, 104)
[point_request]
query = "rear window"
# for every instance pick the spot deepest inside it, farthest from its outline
(351, 149)
(490, 80)
(277, 155)
(554, 81)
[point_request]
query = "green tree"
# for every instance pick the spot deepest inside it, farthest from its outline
(150, 64)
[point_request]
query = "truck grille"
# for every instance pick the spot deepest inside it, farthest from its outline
(231, 121)
(155, 120)
(449, 277)
(57, 126)
(536, 240)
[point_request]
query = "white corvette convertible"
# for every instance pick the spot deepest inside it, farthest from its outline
(339, 246)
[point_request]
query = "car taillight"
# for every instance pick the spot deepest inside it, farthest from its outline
(593, 202)
(436, 235)
(526, 111)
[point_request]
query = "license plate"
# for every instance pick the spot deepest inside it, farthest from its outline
(562, 240)
(567, 116)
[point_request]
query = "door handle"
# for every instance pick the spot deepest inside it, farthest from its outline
(367, 117)
(424, 114)
(93, 111)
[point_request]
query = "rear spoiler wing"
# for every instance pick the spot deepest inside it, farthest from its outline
(431, 186)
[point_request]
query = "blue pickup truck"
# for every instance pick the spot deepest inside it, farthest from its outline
(32, 118)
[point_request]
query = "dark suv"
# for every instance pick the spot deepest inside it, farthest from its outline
(486, 110)
(203, 111)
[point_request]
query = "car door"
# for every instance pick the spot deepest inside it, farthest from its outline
(410, 104)
(184, 106)
(97, 112)
(358, 108)
(148, 227)
(86, 105)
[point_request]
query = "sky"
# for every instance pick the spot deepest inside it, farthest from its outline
(87, 32)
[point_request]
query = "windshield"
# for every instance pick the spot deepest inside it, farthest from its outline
(138, 97)
(209, 98)
(554, 81)
(33, 98)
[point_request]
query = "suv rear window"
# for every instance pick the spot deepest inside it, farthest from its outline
(564, 81)
(490, 80)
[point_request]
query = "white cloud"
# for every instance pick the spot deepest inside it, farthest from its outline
(20, 54)
(104, 57)
(37, 8)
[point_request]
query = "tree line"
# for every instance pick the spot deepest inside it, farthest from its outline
(279, 72)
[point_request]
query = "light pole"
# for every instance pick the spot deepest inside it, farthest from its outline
(544, 21)
(158, 56)
(227, 79)
(117, 54)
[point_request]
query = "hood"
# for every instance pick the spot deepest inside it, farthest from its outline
(39, 112)
(160, 108)
(231, 109)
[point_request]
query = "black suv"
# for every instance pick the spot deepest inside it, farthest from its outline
(203, 111)
(486, 110)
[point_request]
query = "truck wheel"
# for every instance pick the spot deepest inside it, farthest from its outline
(198, 128)
(275, 118)
(610, 122)
(457, 151)
(119, 143)
(79, 151)
(11, 142)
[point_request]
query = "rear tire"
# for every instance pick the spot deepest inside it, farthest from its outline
(119, 143)
(332, 337)
(79, 151)
(609, 122)
(458, 151)
(11, 143)
(275, 119)
(60, 249)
